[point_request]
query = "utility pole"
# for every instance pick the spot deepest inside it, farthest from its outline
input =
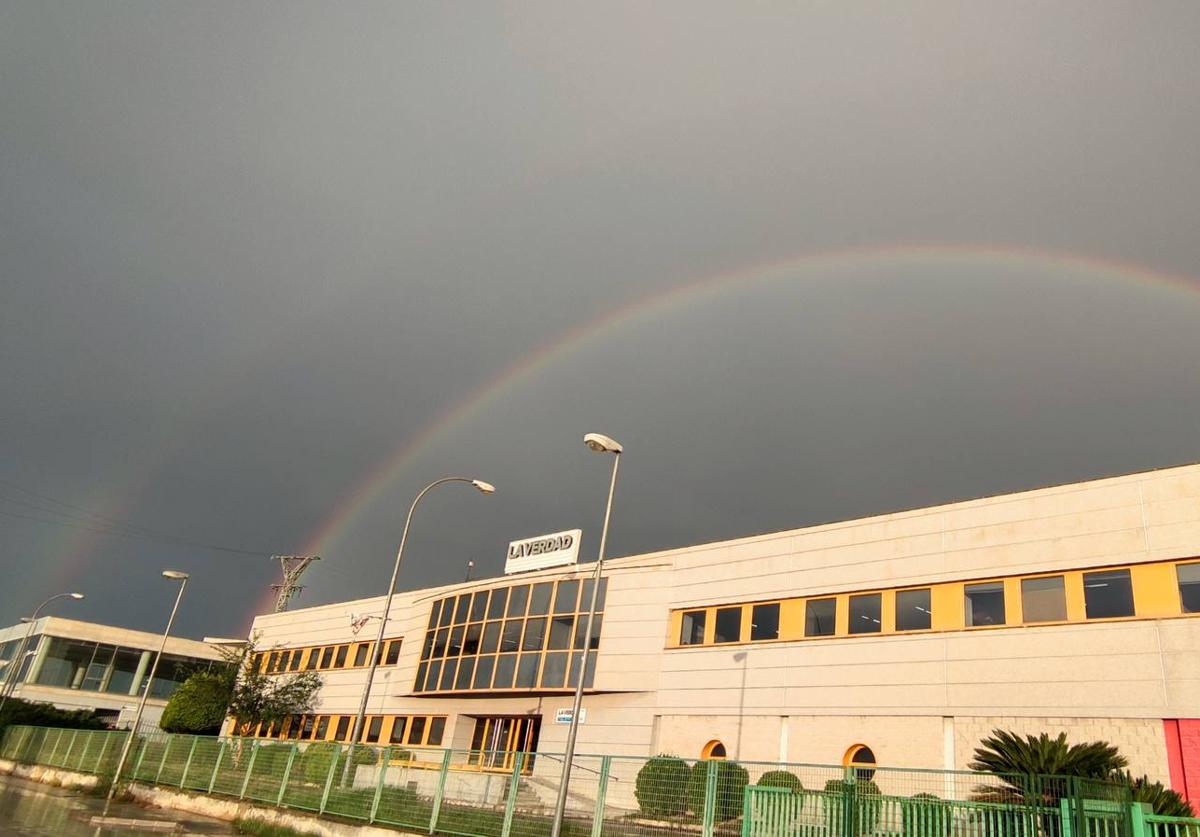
(293, 566)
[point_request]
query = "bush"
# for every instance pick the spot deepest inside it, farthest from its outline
(198, 706)
(780, 779)
(865, 804)
(659, 786)
(924, 813)
(314, 761)
(732, 778)
(18, 712)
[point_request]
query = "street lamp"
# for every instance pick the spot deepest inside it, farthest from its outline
(182, 578)
(484, 487)
(601, 444)
(10, 676)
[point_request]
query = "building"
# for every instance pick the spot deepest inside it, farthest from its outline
(83, 665)
(900, 639)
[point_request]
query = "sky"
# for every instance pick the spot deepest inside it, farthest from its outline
(267, 269)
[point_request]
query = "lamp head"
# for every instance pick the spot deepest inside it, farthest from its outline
(76, 596)
(485, 487)
(602, 444)
(175, 575)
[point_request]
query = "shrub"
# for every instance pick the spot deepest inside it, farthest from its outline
(780, 779)
(19, 712)
(865, 804)
(1162, 800)
(732, 778)
(924, 813)
(660, 784)
(198, 706)
(314, 761)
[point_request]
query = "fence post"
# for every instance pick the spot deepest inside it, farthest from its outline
(710, 797)
(187, 765)
(601, 793)
(212, 783)
(849, 803)
(333, 767)
(1137, 819)
(510, 805)
(249, 769)
(383, 766)
(287, 772)
(440, 792)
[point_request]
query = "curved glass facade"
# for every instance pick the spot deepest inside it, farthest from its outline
(521, 637)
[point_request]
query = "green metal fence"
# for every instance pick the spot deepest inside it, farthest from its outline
(485, 794)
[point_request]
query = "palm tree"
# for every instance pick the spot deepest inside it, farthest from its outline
(1164, 801)
(1034, 769)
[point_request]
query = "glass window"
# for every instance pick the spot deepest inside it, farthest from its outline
(913, 611)
(65, 663)
(327, 657)
(374, 728)
(517, 598)
(454, 646)
(416, 730)
(466, 667)
(565, 597)
(434, 610)
(483, 672)
(581, 626)
(360, 654)
(307, 730)
(322, 728)
(496, 605)
(393, 653)
(447, 612)
(314, 657)
(343, 728)
(554, 672)
(449, 669)
(1108, 594)
(576, 664)
(1189, 587)
(728, 624)
(419, 685)
(125, 665)
(98, 668)
(1044, 599)
(984, 603)
(491, 638)
(560, 632)
(535, 635)
(691, 631)
(437, 728)
(539, 600)
(478, 605)
(866, 614)
(399, 723)
(820, 617)
(585, 597)
(764, 621)
(439, 642)
(527, 671)
(506, 668)
(471, 639)
(435, 674)
(460, 609)
(510, 640)
(863, 761)
(339, 660)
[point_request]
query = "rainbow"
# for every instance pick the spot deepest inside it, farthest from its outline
(376, 483)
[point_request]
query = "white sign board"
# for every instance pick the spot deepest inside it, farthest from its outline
(563, 716)
(544, 551)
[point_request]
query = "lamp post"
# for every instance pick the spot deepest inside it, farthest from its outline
(486, 488)
(174, 575)
(10, 676)
(600, 444)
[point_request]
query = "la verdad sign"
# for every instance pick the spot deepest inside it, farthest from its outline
(544, 551)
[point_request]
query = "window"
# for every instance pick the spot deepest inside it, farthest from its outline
(506, 669)
(527, 670)
(820, 616)
(460, 610)
(866, 614)
(511, 638)
(517, 598)
(416, 730)
(294, 664)
(1189, 587)
(728, 625)
(913, 612)
(535, 635)
(437, 727)
(374, 728)
(691, 631)
(327, 657)
(984, 604)
(322, 728)
(343, 728)
(495, 741)
(339, 660)
(566, 597)
(554, 672)
(314, 657)
(496, 606)
(560, 632)
(471, 639)
(713, 750)
(1044, 599)
(764, 621)
(360, 654)
(479, 605)
(491, 638)
(862, 760)
(483, 672)
(398, 727)
(1108, 594)
(466, 668)
(539, 601)
(393, 653)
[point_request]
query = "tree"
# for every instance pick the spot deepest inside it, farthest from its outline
(1164, 801)
(198, 706)
(259, 698)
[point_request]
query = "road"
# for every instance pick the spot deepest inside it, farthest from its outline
(29, 809)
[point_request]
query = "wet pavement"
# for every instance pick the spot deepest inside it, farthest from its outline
(30, 809)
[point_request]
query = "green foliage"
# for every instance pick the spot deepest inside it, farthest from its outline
(259, 828)
(1021, 762)
(732, 778)
(198, 706)
(1164, 801)
(314, 761)
(780, 779)
(865, 804)
(659, 786)
(261, 698)
(924, 813)
(19, 712)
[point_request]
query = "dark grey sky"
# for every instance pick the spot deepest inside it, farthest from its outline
(248, 251)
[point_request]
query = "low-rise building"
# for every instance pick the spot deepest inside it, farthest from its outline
(84, 665)
(900, 639)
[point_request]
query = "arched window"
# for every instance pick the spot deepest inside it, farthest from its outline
(714, 750)
(862, 759)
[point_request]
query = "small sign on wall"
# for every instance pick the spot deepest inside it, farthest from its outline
(563, 716)
(544, 551)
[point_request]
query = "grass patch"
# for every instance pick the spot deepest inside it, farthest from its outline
(266, 829)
